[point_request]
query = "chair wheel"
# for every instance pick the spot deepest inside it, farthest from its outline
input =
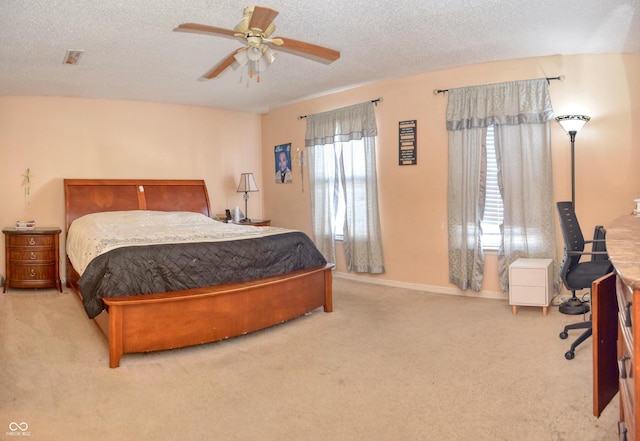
(564, 335)
(569, 355)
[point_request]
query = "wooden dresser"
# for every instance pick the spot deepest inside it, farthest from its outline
(32, 258)
(623, 246)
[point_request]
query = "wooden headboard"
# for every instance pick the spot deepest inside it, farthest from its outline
(84, 196)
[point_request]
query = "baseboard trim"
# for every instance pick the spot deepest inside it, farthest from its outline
(426, 288)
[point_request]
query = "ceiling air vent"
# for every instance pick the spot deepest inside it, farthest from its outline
(72, 57)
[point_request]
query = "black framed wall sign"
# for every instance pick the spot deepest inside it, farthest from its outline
(407, 139)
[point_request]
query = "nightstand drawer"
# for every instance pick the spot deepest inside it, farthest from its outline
(32, 256)
(35, 272)
(528, 277)
(31, 240)
(528, 296)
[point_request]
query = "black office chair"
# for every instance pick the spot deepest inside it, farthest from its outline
(576, 274)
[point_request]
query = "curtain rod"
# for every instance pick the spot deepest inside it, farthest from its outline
(561, 78)
(376, 101)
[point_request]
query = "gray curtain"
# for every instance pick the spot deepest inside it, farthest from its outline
(520, 112)
(341, 147)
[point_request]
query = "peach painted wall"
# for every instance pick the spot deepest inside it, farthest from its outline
(413, 199)
(59, 138)
(65, 137)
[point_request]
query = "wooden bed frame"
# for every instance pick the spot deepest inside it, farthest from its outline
(153, 322)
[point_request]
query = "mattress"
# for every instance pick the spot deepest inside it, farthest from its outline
(142, 252)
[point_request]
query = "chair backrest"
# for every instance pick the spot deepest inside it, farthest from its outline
(571, 233)
(599, 244)
(572, 236)
(574, 240)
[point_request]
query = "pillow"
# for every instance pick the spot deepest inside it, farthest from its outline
(143, 218)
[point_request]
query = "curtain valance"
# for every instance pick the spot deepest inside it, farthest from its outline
(511, 103)
(341, 125)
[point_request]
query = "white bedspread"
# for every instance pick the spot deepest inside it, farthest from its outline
(96, 233)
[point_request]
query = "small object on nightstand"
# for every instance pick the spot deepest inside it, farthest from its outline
(531, 283)
(255, 222)
(32, 257)
(25, 224)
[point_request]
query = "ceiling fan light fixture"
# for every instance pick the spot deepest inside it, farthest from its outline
(269, 56)
(241, 57)
(254, 53)
(260, 66)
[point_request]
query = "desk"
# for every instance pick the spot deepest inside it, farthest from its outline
(623, 247)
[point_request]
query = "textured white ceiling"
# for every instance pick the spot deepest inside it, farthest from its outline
(131, 52)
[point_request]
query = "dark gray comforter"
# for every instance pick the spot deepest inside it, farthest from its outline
(173, 267)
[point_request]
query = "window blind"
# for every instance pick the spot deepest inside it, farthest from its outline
(493, 208)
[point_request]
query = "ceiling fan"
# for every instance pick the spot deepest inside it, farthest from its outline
(255, 30)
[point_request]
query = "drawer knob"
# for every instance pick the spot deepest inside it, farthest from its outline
(622, 366)
(33, 255)
(32, 241)
(627, 317)
(32, 273)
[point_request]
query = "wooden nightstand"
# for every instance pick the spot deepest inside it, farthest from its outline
(32, 258)
(256, 223)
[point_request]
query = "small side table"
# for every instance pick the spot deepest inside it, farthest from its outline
(530, 283)
(32, 258)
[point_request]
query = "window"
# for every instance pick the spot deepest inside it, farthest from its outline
(342, 152)
(493, 208)
(355, 171)
(527, 227)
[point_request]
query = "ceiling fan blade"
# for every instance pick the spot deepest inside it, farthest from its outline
(262, 17)
(308, 50)
(220, 67)
(205, 29)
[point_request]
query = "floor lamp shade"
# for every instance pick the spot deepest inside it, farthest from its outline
(572, 123)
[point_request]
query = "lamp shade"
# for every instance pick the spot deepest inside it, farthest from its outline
(258, 61)
(254, 53)
(241, 57)
(572, 123)
(247, 183)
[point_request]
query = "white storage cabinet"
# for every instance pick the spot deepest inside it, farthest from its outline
(531, 283)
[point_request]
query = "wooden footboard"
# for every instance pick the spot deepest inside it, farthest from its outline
(156, 322)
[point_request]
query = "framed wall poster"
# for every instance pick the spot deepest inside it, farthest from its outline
(407, 136)
(283, 164)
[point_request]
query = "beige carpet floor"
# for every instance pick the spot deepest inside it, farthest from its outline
(387, 364)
